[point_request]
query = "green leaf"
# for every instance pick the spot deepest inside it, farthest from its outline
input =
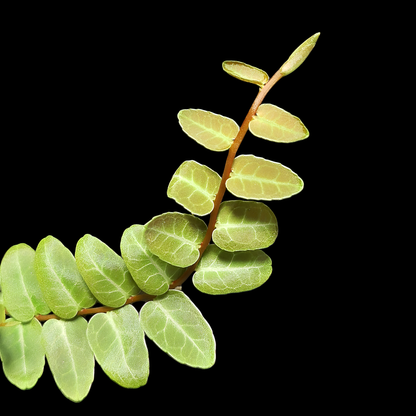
(257, 178)
(299, 55)
(62, 285)
(22, 353)
(2, 310)
(150, 273)
(23, 297)
(175, 237)
(177, 327)
(117, 340)
(194, 186)
(220, 272)
(244, 225)
(104, 271)
(211, 130)
(277, 125)
(245, 72)
(69, 356)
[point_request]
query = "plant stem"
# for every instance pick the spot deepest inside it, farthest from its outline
(214, 214)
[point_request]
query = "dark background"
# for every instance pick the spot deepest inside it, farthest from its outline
(91, 141)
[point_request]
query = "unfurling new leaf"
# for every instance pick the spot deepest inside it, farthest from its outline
(261, 179)
(211, 130)
(299, 55)
(177, 327)
(220, 272)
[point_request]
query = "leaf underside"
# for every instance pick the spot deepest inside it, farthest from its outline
(213, 131)
(245, 72)
(261, 179)
(177, 327)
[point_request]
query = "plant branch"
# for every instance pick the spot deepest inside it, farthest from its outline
(214, 214)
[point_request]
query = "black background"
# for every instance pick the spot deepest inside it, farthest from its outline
(91, 142)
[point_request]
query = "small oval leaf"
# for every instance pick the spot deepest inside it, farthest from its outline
(220, 272)
(177, 327)
(299, 55)
(194, 186)
(69, 356)
(22, 353)
(104, 272)
(150, 273)
(277, 125)
(211, 130)
(22, 295)
(245, 72)
(117, 340)
(175, 237)
(62, 285)
(244, 225)
(257, 178)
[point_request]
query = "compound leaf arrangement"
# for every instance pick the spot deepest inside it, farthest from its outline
(46, 294)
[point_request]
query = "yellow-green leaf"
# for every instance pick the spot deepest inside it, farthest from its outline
(211, 130)
(257, 178)
(194, 186)
(245, 72)
(299, 55)
(277, 125)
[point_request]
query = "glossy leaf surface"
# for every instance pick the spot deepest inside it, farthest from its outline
(277, 125)
(257, 178)
(175, 237)
(151, 274)
(62, 285)
(299, 55)
(244, 225)
(194, 186)
(23, 297)
(22, 353)
(69, 356)
(104, 271)
(211, 130)
(245, 72)
(117, 340)
(177, 326)
(220, 272)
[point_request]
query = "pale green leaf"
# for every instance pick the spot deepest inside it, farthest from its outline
(2, 310)
(177, 326)
(175, 237)
(244, 225)
(151, 274)
(220, 272)
(299, 55)
(62, 285)
(117, 340)
(194, 186)
(257, 178)
(211, 130)
(22, 353)
(104, 271)
(23, 297)
(69, 356)
(245, 72)
(277, 125)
